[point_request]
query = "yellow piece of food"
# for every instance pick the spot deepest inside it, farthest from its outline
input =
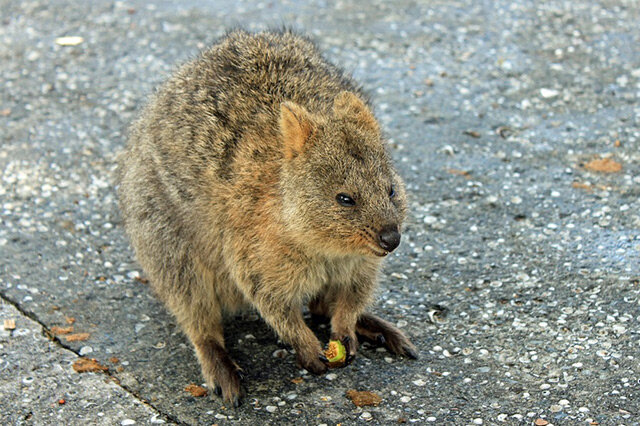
(336, 354)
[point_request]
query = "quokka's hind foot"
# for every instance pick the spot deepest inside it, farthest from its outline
(385, 334)
(220, 372)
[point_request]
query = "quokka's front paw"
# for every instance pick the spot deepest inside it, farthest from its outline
(228, 386)
(314, 364)
(350, 343)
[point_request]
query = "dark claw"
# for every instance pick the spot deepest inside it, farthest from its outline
(236, 401)
(240, 374)
(381, 340)
(217, 390)
(349, 359)
(411, 353)
(346, 341)
(323, 358)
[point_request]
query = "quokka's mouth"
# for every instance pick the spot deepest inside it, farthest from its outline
(378, 251)
(366, 240)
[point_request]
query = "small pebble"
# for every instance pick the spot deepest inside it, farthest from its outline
(548, 93)
(156, 421)
(271, 408)
(619, 329)
(430, 220)
(280, 353)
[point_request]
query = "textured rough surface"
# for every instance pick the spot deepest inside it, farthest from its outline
(493, 109)
(39, 386)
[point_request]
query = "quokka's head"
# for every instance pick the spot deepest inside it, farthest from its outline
(341, 194)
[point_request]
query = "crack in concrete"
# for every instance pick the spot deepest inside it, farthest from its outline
(46, 331)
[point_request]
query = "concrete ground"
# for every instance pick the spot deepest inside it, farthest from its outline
(516, 126)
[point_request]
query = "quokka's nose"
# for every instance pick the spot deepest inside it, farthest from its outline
(389, 237)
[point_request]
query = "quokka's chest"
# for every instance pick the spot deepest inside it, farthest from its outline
(337, 272)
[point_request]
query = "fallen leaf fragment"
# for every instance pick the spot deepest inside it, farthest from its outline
(363, 398)
(472, 133)
(69, 40)
(464, 173)
(603, 165)
(88, 365)
(78, 337)
(5, 112)
(9, 324)
(196, 390)
(61, 330)
(581, 185)
(541, 422)
(70, 320)
(114, 360)
(297, 380)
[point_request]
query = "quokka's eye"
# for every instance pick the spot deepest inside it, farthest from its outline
(392, 192)
(345, 200)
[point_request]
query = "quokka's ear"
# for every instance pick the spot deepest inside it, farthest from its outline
(349, 106)
(296, 126)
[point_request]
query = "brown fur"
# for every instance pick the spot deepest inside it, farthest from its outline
(228, 192)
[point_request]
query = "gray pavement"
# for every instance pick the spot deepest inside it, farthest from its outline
(495, 111)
